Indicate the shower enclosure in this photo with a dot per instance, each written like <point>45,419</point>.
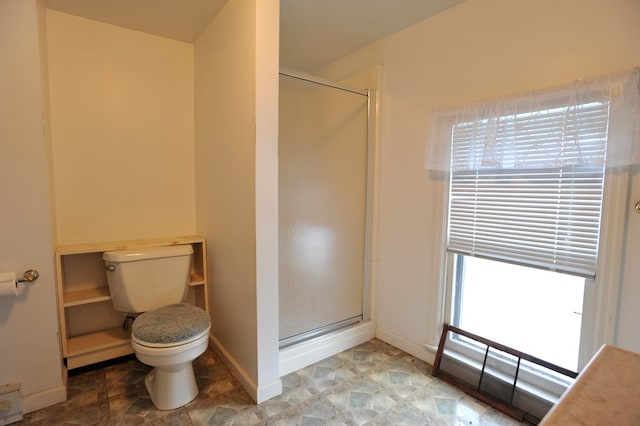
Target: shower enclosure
<point>324,156</point>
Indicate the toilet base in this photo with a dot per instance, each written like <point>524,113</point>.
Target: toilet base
<point>172,387</point>
<point>172,383</point>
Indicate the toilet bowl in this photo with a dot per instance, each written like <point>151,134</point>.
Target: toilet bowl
<point>169,339</point>
<point>168,334</point>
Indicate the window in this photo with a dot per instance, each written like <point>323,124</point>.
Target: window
<point>533,310</point>
<point>527,190</point>
<point>524,204</point>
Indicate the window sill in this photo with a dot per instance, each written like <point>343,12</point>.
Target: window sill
<point>530,396</point>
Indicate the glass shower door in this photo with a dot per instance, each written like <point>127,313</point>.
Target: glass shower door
<point>322,203</point>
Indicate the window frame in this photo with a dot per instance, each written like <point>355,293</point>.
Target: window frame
<point>600,294</point>
<point>600,300</point>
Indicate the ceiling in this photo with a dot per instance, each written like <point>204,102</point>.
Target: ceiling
<point>317,32</point>
<point>312,32</point>
<point>181,20</point>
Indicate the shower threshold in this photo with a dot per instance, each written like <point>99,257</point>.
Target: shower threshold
<point>320,331</point>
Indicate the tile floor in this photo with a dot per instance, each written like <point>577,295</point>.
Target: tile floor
<point>371,384</point>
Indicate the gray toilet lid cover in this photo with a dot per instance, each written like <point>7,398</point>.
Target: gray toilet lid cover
<point>175,323</point>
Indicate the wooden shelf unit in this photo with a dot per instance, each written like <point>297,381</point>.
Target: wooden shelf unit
<point>90,328</point>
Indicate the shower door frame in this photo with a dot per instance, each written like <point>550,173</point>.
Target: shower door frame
<point>370,94</point>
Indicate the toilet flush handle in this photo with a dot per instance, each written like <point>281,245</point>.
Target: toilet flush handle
<point>110,268</point>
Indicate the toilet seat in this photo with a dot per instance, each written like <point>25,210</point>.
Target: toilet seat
<point>170,326</point>
<point>169,339</point>
<point>184,349</point>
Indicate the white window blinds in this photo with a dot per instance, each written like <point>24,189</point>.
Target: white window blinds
<point>526,187</point>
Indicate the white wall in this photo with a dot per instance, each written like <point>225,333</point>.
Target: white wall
<point>30,351</point>
<point>267,39</point>
<point>236,191</point>
<point>122,132</point>
<point>476,50</point>
<point>629,298</point>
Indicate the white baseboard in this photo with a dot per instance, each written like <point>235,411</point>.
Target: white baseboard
<point>418,350</point>
<point>38,400</point>
<point>257,393</point>
<point>268,391</point>
<point>306,353</point>
<point>249,385</point>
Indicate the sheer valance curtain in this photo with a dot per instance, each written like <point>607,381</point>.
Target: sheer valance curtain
<point>527,172</point>
<point>493,148</point>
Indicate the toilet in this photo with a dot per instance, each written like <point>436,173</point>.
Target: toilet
<point>168,334</point>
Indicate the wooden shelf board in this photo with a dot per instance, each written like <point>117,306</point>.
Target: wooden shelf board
<point>99,340</point>
<point>114,342</point>
<point>85,296</point>
<point>123,245</point>
<point>81,360</point>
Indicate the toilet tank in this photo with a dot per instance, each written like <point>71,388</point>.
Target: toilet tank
<point>144,279</point>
